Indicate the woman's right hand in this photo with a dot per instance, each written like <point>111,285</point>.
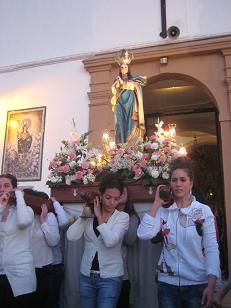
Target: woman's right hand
<point>157,202</point>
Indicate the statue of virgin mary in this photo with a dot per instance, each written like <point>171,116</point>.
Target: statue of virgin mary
<point>127,103</point>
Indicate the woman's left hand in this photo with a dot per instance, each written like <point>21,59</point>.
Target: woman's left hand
<point>98,210</point>
<point>97,207</point>
<point>4,197</point>
<point>207,297</point>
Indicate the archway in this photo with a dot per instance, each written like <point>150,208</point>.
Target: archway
<point>182,100</point>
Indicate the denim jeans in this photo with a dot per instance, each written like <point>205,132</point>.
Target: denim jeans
<point>171,296</point>
<point>96,292</point>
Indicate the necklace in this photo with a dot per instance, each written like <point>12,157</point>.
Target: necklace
<point>187,204</point>
<point>106,217</point>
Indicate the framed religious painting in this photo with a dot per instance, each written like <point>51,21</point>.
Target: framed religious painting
<point>23,146</point>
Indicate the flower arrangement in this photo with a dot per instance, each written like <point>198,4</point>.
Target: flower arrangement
<point>77,162</point>
<point>158,151</point>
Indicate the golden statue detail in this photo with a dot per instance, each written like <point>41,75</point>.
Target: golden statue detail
<point>127,103</point>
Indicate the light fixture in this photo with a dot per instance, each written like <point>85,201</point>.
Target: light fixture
<point>163,60</point>
<point>172,129</point>
<point>183,151</point>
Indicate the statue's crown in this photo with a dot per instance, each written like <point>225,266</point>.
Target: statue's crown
<point>124,57</point>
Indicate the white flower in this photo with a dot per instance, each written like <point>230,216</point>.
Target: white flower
<point>85,180</point>
<point>55,179</point>
<point>91,177</point>
<point>139,155</point>
<point>155,156</point>
<point>155,173</point>
<point>72,164</point>
<point>69,179</point>
<point>154,145</point>
<point>165,175</point>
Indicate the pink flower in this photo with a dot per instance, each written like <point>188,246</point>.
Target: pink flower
<point>153,138</point>
<point>129,157</point>
<point>145,155</point>
<point>53,164</point>
<point>148,146</point>
<point>138,173</point>
<point>135,167</point>
<point>64,169</point>
<point>162,159</point>
<point>167,150</point>
<point>79,175</point>
<point>143,163</point>
<point>120,151</point>
<point>77,142</point>
<point>85,165</point>
<point>72,156</point>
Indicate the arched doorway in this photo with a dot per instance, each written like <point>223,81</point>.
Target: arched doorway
<point>182,100</point>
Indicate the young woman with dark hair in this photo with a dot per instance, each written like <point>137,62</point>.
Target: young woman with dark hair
<point>44,237</point>
<point>189,263</point>
<point>101,268</point>
<point>17,274</point>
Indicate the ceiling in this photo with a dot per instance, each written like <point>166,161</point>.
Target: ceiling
<point>174,95</point>
<point>184,103</point>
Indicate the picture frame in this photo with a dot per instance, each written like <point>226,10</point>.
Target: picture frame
<point>23,144</point>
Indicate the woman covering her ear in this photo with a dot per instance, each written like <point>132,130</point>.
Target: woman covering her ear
<point>189,263</point>
<point>101,268</point>
<point>17,273</point>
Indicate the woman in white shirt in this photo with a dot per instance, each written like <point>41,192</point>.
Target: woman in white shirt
<point>17,274</point>
<point>101,268</point>
<point>189,263</point>
<point>44,236</point>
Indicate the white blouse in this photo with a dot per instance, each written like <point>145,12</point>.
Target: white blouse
<point>44,237</point>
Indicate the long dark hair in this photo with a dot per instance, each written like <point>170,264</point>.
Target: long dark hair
<point>184,163</point>
<point>129,205</point>
<point>111,180</point>
<point>128,74</point>
<point>36,193</point>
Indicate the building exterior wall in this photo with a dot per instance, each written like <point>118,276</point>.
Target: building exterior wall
<point>36,30</point>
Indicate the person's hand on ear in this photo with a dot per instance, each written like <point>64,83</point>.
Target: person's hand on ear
<point>44,213</point>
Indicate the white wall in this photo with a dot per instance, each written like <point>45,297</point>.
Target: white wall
<point>62,88</point>
<point>40,29</point>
